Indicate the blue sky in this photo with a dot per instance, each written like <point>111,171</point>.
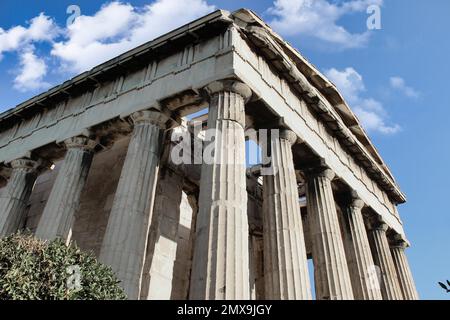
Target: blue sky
<point>395,78</point>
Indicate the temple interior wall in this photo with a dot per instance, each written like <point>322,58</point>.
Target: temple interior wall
<point>96,199</point>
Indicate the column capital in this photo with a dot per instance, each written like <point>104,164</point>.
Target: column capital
<point>355,201</point>
<point>399,242</point>
<point>320,171</point>
<point>231,86</point>
<point>288,135</point>
<point>80,142</point>
<point>350,199</point>
<point>25,165</point>
<point>400,245</point>
<point>153,116</point>
<point>317,168</point>
<point>380,226</point>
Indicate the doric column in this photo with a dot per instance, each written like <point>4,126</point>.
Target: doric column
<point>285,261</point>
<point>64,200</point>
<point>404,274</point>
<point>221,258</point>
<point>362,270</point>
<point>15,195</point>
<point>390,288</point>
<point>125,241</point>
<point>331,273</point>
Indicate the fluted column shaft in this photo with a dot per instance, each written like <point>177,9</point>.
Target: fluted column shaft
<point>125,242</point>
<point>64,200</point>
<point>331,273</point>
<point>404,274</point>
<point>15,195</point>
<point>390,288</point>
<point>285,261</point>
<point>359,256</point>
<point>221,258</point>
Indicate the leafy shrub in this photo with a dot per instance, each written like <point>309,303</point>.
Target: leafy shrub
<point>35,269</point>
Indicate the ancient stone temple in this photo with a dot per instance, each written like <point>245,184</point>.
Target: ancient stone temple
<point>92,161</point>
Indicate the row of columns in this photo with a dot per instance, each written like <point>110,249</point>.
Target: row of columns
<point>344,266</point>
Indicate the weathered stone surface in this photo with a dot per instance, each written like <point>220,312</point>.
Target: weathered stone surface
<point>97,197</point>
<point>163,238</point>
<point>185,246</point>
<point>14,197</point>
<point>285,262</point>
<point>390,287</point>
<point>404,274</point>
<point>256,242</point>
<point>125,240</point>
<point>257,279</point>
<point>64,201</point>
<point>365,282</point>
<point>332,278</point>
<point>221,258</point>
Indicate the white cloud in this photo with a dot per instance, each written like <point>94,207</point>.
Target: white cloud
<point>319,19</point>
<point>32,72</point>
<point>349,82</point>
<point>399,84</point>
<point>41,28</point>
<point>91,40</point>
<point>370,112</point>
<point>118,27</point>
<point>21,40</point>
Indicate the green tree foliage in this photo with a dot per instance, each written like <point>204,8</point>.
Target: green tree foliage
<point>35,269</point>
